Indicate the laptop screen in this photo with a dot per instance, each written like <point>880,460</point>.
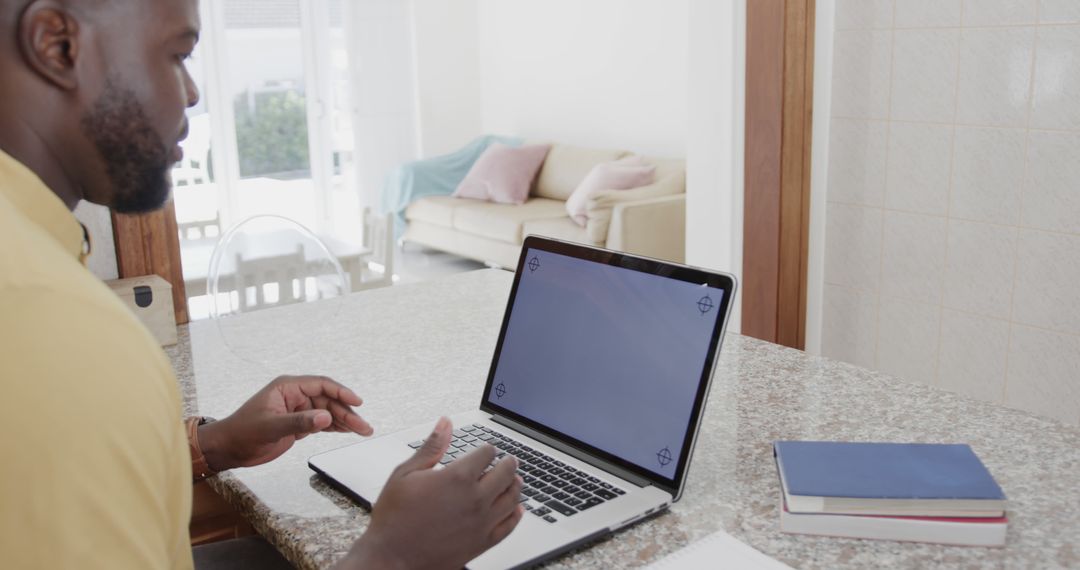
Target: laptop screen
<point>614,356</point>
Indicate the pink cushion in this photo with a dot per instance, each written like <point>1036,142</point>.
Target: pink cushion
<point>622,174</point>
<point>503,174</point>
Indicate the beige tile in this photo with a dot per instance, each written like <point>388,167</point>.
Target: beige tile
<point>864,14</point>
<point>860,83</point>
<point>1042,374</point>
<point>857,161</point>
<point>853,246</point>
<point>1047,274</point>
<point>849,325</point>
<point>913,256</point>
<point>998,12</point>
<point>908,339</point>
<point>988,174</point>
<point>917,176</point>
<point>924,75</point>
<point>973,355</point>
<point>1059,11</point>
<point>979,269</point>
<point>995,76</point>
<point>1052,190</point>
<point>1057,79</point>
<point>927,13</point>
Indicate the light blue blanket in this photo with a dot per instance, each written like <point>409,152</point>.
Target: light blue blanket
<point>436,176</point>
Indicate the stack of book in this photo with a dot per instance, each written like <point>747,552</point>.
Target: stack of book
<point>916,492</point>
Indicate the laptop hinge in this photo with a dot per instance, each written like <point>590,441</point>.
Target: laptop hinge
<point>576,453</point>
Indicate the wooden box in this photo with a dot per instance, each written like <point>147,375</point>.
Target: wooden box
<point>150,298</point>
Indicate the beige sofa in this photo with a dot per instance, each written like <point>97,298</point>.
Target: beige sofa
<point>650,220</point>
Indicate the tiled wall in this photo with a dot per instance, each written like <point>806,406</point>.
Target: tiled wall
<point>952,251</point>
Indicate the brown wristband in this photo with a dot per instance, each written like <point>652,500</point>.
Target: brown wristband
<point>199,468</point>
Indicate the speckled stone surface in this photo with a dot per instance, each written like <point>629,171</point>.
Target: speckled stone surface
<point>419,351</point>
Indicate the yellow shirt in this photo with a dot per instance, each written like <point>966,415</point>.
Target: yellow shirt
<point>96,471</point>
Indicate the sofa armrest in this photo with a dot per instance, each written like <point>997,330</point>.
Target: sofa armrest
<point>600,205</point>
<point>654,228</point>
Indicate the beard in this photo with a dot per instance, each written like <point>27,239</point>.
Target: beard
<point>136,159</point>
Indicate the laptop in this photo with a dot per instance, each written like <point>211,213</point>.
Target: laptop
<point>598,386</point>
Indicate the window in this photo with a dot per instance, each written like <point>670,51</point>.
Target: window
<point>273,132</point>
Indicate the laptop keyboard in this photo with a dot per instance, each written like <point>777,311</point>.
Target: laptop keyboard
<point>553,490</point>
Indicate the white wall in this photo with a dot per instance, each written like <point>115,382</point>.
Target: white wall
<point>448,74</point>
<point>383,73</point>
<point>602,73</point>
<point>819,162</point>
<point>714,169</point>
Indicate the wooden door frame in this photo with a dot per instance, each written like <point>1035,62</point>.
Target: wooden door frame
<point>779,112</point>
<point>150,244</point>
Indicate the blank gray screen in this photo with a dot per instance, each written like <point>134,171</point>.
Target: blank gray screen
<point>606,355</point>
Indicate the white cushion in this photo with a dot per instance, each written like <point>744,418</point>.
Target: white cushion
<point>438,210</point>
<point>504,222</point>
<point>627,172</point>
<point>598,208</point>
<point>561,228</point>
<point>566,166</point>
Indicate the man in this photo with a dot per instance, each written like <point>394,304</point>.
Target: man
<point>97,466</point>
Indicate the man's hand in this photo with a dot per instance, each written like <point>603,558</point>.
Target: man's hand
<point>267,425</point>
<point>440,519</point>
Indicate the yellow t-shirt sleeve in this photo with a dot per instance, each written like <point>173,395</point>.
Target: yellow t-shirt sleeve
<point>96,470</point>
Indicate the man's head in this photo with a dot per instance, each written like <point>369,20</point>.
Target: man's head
<point>99,88</point>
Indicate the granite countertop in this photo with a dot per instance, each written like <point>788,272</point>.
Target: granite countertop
<point>416,352</point>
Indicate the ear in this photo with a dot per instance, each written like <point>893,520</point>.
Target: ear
<point>48,37</point>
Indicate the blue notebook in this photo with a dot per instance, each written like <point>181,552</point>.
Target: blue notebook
<point>903,479</point>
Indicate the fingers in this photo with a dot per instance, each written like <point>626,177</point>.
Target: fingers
<point>506,526</point>
<point>315,386</point>
<point>506,502</point>
<point>474,462</point>
<point>500,487</point>
<point>495,482</point>
<point>348,420</point>
<point>298,424</point>
<point>320,392</point>
<point>429,454</point>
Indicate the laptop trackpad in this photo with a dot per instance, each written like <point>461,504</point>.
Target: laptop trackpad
<point>363,468</point>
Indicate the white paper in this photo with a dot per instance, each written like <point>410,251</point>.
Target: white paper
<point>718,550</point>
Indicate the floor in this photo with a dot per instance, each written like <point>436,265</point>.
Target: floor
<point>412,264</point>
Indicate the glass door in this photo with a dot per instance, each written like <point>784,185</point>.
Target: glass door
<point>266,88</point>
<point>273,131</point>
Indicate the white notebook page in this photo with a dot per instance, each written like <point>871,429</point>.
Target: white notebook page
<point>718,550</point>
